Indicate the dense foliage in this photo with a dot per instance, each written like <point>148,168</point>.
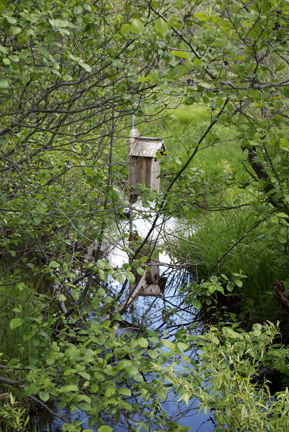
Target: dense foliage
<point>72,73</point>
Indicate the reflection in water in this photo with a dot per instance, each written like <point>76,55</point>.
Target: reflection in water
<point>159,314</point>
<point>168,313</point>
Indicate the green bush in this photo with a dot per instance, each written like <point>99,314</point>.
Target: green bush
<point>13,417</point>
<point>222,375</point>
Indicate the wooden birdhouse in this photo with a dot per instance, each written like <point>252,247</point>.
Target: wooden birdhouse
<point>144,167</point>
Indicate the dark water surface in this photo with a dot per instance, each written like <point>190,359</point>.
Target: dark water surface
<point>151,311</point>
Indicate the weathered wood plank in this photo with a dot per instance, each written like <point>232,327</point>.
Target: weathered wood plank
<point>148,171</point>
<point>144,147</point>
<point>156,169</point>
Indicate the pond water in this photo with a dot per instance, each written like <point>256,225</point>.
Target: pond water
<point>149,310</point>
<point>167,313</point>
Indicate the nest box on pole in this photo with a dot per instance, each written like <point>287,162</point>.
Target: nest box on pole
<point>144,167</point>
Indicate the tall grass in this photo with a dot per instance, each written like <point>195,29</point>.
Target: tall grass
<point>213,236</point>
<point>182,128</point>
<point>14,416</point>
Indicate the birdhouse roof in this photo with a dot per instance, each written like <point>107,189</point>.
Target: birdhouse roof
<point>146,146</point>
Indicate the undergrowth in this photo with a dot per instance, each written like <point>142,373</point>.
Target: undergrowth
<point>208,241</point>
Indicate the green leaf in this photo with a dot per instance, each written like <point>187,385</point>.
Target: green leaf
<point>161,26</point>
<point>142,342</point>
<point>58,23</point>
<point>105,429</point>
<point>239,283</point>
<point>196,303</point>
<point>182,346</point>
<point>85,407</point>
<point>120,278</point>
<point>173,22</point>
<point>14,58</point>
<point>75,295</point>
<point>16,322</point>
<point>212,289</point>
<point>282,239</point>
<point>109,391</point>
<point>201,16</point>
<point>125,405</point>
<point>125,29</point>
<point>53,264</point>
<point>140,271</point>
<point>257,326</point>
<point>284,142</point>
<point>167,344</point>
<point>132,370</point>
<point>44,396</point>
<point>3,50</point>
<point>162,394</point>
<point>78,10</point>
<point>85,66</point>
<point>27,336</point>
<point>124,364</point>
<point>279,68</point>
<point>61,297</point>
<point>49,37</point>
<point>219,101</point>
<point>153,76</point>
<point>95,302</point>
<point>44,52</point>
<point>124,391</point>
<point>3,83</point>
<point>37,220</point>
<point>15,31</point>
<point>69,388</point>
<point>69,372</point>
<point>136,26</point>
<point>197,62</point>
<point>179,160</point>
<point>99,376</point>
<point>11,20</point>
<point>153,353</point>
<point>181,54</point>
<point>130,277</point>
<point>230,287</point>
<point>94,388</point>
